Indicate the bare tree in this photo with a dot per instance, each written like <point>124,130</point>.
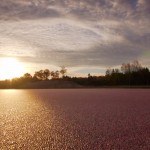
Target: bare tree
<point>135,66</point>
<point>131,67</point>
<point>126,68</point>
<point>63,71</point>
<point>46,73</point>
<point>55,74</point>
<point>42,74</point>
<point>108,72</point>
<point>39,74</point>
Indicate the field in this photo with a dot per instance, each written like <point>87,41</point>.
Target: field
<point>75,119</point>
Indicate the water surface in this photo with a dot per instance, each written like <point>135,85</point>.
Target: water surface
<point>78,119</point>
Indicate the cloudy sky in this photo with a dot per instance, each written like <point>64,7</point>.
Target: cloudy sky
<point>83,35</point>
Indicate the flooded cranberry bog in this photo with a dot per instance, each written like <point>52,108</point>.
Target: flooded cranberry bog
<point>77,119</point>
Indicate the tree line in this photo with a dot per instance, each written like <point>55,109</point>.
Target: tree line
<point>40,75</point>
<point>129,74</point>
<point>46,74</point>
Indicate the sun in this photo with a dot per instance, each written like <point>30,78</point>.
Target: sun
<point>10,68</point>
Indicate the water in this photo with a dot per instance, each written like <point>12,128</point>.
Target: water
<point>77,119</point>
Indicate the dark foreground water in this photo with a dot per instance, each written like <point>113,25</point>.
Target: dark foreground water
<point>75,119</point>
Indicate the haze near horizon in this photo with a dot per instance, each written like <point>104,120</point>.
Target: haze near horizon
<point>84,36</point>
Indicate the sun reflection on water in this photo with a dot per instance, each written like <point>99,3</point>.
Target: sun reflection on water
<point>22,114</point>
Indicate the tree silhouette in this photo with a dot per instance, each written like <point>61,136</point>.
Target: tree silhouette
<point>108,72</point>
<point>63,71</point>
<point>39,75</point>
<point>46,73</point>
<point>55,74</point>
<point>27,76</point>
<point>42,74</point>
<point>129,74</point>
<point>131,67</point>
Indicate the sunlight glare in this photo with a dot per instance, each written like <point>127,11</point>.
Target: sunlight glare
<point>10,68</point>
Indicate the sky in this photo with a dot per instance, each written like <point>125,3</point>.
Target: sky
<point>85,36</point>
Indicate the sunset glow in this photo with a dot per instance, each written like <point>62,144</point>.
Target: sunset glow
<point>10,68</point>
<point>82,35</point>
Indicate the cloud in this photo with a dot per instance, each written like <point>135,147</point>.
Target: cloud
<point>18,10</point>
<point>75,33</point>
<point>33,9</point>
<point>89,9</point>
